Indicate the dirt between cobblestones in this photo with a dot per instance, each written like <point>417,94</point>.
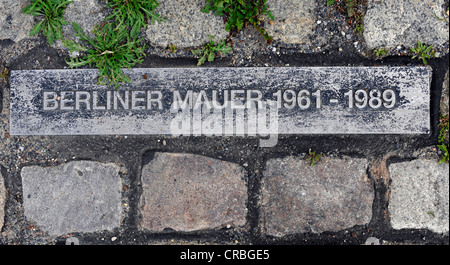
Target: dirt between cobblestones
<point>131,152</point>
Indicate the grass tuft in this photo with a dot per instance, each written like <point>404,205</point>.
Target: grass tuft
<point>111,50</point>
<point>210,50</point>
<point>443,137</point>
<point>313,158</point>
<point>239,13</point>
<point>52,11</point>
<point>134,13</point>
<point>422,52</point>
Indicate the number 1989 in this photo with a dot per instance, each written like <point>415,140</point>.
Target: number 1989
<point>374,98</point>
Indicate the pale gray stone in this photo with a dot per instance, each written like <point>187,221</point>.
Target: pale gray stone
<point>187,192</point>
<point>332,195</point>
<point>2,200</point>
<point>87,14</point>
<point>419,195</point>
<point>409,115</point>
<point>294,20</point>
<point>445,96</point>
<point>79,196</point>
<point>15,25</point>
<point>186,25</point>
<point>390,23</point>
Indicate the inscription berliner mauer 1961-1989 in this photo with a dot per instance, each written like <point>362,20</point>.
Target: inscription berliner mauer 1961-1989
<point>223,101</point>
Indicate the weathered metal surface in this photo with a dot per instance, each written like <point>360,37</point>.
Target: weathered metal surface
<point>304,100</point>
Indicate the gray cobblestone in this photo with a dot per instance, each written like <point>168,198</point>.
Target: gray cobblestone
<point>445,96</point>
<point>86,13</point>
<point>332,195</point>
<point>14,25</point>
<point>294,20</point>
<point>390,23</point>
<point>420,195</point>
<point>185,27</point>
<point>176,195</point>
<point>2,200</point>
<point>79,196</point>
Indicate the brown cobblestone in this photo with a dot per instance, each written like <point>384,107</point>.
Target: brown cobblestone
<point>189,192</point>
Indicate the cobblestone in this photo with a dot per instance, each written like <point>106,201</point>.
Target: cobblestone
<point>390,23</point>
<point>420,195</point>
<point>185,27</point>
<point>332,195</point>
<point>188,192</point>
<point>86,13</point>
<point>2,199</point>
<point>445,96</point>
<point>294,20</point>
<point>14,25</point>
<point>79,196</point>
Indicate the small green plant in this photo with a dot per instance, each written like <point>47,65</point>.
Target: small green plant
<point>444,149</point>
<point>173,48</point>
<point>134,13</point>
<point>381,52</point>
<point>313,158</point>
<point>350,4</point>
<point>422,52</point>
<point>239,12</point>
<point>4,74</point>
<point>443,137</point>
<point>353,10</point>
<point>359,28</point>
<point>111,50</point>
<point>52,11</point>
<point>210,50</point>
<point>359,24</point>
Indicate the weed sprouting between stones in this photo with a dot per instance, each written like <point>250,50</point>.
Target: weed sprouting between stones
<point>52,11</point>
<point>4,74</point>
<point>353,10</point>
<point>239,13</point>
<point>210,50</point>
<point>381,52</point>
<point>111,50</point>
<point>443,137</point>
<point>116,44</point>
<point>134,13</point>
<point>422,52</point>
<point>312,157</point>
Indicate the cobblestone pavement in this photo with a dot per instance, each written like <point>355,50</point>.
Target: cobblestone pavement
<point>387,189</point>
